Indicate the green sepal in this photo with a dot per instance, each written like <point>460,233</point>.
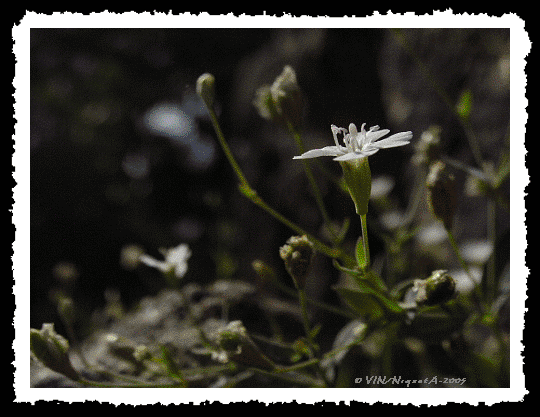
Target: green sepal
<point>357,176</point>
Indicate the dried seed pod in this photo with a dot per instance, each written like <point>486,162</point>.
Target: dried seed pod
<point>297,255</point>
<point>442,193</point>
<point>437,289</point>
<point>240,348</point>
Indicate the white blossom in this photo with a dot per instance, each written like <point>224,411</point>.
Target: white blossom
<point>358,145</point>
<point>175,260</point>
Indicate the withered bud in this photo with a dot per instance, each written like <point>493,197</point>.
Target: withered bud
<point>442,193</point>
<point>437,289</point>
<point>428,148</point>
<point>297,255</point>
<point>282,101</point>
<point>240,348</point>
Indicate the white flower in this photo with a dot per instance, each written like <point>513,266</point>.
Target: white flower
<point>358,145</point>
<point>175,260</point>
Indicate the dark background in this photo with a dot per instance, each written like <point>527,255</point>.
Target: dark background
<point>101,179</point>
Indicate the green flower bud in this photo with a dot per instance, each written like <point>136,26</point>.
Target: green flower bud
<point>265,272</point>
<point>51,350</point>
<point>205,88</point>
<point>297,255</point>
<point>437,289</point>
<point>66,309</point>
<point>281,102</point>
<point>240,348</point>
<point>357,176</point>
<point>442,193</point>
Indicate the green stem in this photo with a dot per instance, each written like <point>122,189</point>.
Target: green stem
<point>492,236</point>
<point>365,243</point>
<point>309,174</point>
<point>246,189</point>
<point>94,384</point>
<point>475,291</point>
<point>465,124</point>
<point>226,149</point>
<point>331,309</point>
<point>335,253</point>
<point>305,318</point>
<point>299,379</point>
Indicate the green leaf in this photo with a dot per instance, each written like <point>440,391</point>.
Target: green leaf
<point>367,281</point>
<point>360,254</point>
<point>464,105</point>
<point>363,303</point>
<point>170,364</point>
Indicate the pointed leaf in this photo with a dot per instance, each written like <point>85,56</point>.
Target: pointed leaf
<point>363,303</point>
<point>360,254</point>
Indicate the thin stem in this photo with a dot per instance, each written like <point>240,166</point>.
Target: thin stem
<point>365,243</point>
<point>299,379</point>
<point>476,295</point>
<point>246,189</point>
<point>455,247</point>
<point>298,366</point>
<point>465,124</point>
<point>226,149</point>
<point>335,253</point>
<point>305,318</point>
<point>417,193</point>
<point>309,174</point>
<point>319,304</point>
<point>138,384</point>
<point>492,239</point>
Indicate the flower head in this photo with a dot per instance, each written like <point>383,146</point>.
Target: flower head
<point>175,260</point>
<point>358,145</point>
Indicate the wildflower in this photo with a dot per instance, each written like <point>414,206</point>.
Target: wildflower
<point>353,157</point>
<point>358,145</point>
<point>175,260</point>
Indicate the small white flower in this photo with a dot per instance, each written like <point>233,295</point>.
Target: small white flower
<point>358,145</point>
<point>175,260</point>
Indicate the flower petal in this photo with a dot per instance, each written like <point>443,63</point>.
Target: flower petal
<point>356,155</point>
<point>399,139</point>
<point>326,151</point>
<point>373,135</point>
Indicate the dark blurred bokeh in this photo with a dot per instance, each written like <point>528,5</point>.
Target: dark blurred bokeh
<point>122,152</point>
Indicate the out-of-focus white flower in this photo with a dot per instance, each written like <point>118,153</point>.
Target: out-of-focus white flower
<point>175,260</point>
<point>358,145</point>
